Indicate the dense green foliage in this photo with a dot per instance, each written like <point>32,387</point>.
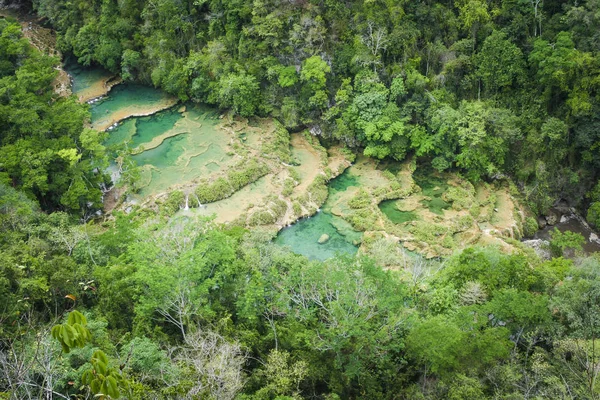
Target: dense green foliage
<point>145,306</point>
<point>180,307</point>
<point>44,149</point>
<point>242,174</point>
<point>486,87</point>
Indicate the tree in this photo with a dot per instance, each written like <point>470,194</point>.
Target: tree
<point>314,75</point>
<point>500,63</point>
<point>240,92</point>
<point>562,241</point>
<point>217,365</point>
<point>474,14</point>
<point>484,135</point>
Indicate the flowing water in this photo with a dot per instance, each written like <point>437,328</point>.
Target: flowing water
<point>303,236</point>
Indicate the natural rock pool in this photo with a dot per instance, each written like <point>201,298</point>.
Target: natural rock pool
<point>88,83</point>
<point>183,147</point>
<point>306,236</point>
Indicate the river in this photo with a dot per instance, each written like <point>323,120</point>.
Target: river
<point>181,146</point>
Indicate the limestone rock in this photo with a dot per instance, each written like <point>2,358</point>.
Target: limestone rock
<point>552,218</point>
<point>541,247</point>
<point>323,239</point>
<point>541,222</point>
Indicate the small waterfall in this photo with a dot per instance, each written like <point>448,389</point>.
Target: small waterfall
<point>187,207</point>
<point>198,200</point>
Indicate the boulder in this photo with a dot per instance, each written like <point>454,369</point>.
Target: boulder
<point>541,247</point>
<point>541,222</point>
<point>552,218</point>
<point>323,239</point>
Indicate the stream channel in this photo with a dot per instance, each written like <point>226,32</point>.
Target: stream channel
<point>176,143</point>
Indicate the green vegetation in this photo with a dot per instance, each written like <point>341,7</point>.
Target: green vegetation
<point>563,241</point>
<point>44,148</point>
<point>184,296</point>
<point>149,304</point>
<point>244,173</point>
<point>486,88</point>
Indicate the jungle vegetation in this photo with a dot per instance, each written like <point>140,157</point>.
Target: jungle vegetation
<point>145,306</point>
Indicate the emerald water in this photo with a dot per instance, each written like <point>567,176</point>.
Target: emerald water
<point>433,187</point>
<point>303,236</point>
<point>172,146</point>
<point>177,146</point>
<point>126,100</point>
<point>150,127</point>
<point>86,79</point>
<point>390,209</point>
<point>181,147</point>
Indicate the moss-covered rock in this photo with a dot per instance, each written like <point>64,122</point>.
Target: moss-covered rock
<point>174,201</point>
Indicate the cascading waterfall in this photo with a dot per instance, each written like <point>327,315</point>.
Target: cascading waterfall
<point>198,200</point>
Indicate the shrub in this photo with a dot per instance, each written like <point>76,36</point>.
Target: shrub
<point>279,145</point>
<point>349,154</point>
<point>389,175</point>
<point>459,197</point>
<point>245,173</point>
<point>360,200</point>
<point>173,203</point>
<point>262,218</point>
<point>218,190</point>
<point>363,219</point>
<point>530,226</point>
<point>277,207</point>
<point>297,208</point>
<point>294,174</point>
<point>475,210</point>
<point>318,190</point>
<point>561,241</point>
<point>593,214</point>
<point>288,187</point>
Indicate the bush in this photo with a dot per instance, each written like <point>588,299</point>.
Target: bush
<point>360,200</point>
<point>463,223</point>
<point>459,197</point>
<point>561,241</point>
<point>363,219</point>
<point>349,154</point>
<point>428,232</point>
<point>262,218</point>
<point>277,206</point>
<point>593,215</point>
<point>279,145</point>
<point>288,187</point>
<point>389,175</point>
<point>218,190</point>
<point>243,174</point>
<point>475,210</point>
<point>294,174</point>
<point>173,203</point>
<point>297,208</point>
<point>530,227</point>
<point>318,190</point>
